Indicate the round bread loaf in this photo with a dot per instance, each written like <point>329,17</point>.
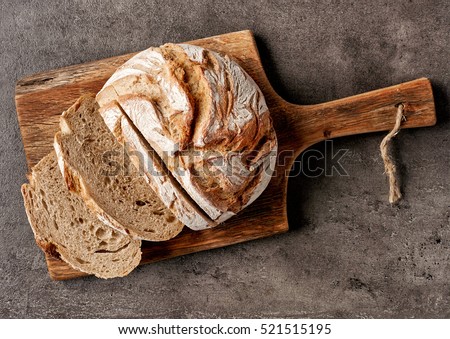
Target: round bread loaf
<point>204,117</point>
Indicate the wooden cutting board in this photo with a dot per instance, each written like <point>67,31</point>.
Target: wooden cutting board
<point>41,98</point>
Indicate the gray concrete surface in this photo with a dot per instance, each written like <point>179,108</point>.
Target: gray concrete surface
<point>348,254</point>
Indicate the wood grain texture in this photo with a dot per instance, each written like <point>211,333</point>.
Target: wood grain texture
<point>41,98</point>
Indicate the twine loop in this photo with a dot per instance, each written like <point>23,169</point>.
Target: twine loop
<point>390,168</point>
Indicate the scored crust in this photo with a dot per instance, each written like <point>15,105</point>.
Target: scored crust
<point>148,75</point>
<point>227,154</point>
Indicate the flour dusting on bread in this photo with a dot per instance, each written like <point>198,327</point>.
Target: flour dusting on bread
<point>205,118</point>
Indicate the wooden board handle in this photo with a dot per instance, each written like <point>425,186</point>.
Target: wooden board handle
<point>363,113</point>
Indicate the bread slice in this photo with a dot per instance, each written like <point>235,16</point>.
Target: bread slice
<point>95,166</point>
<point>65,228</point>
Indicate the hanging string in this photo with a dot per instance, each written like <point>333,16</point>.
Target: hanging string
<point>389,165</point>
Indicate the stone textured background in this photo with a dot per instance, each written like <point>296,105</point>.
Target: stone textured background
<point>348,254</point>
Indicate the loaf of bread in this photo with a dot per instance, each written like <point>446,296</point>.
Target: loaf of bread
<point>178,135</point>
<point>65,228</point>
<point>95,166</point>
<point>204,118</point>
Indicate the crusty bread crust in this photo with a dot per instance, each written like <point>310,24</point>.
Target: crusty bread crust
<point>223,156</point>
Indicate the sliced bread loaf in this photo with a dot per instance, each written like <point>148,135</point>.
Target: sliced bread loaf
<point>227,154</point>
<point>65,228</point>
<point>95,166</point>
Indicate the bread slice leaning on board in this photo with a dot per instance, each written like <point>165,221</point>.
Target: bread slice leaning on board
<point>64,227</point>
<point>203,116</point>
<point>96,167</point>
